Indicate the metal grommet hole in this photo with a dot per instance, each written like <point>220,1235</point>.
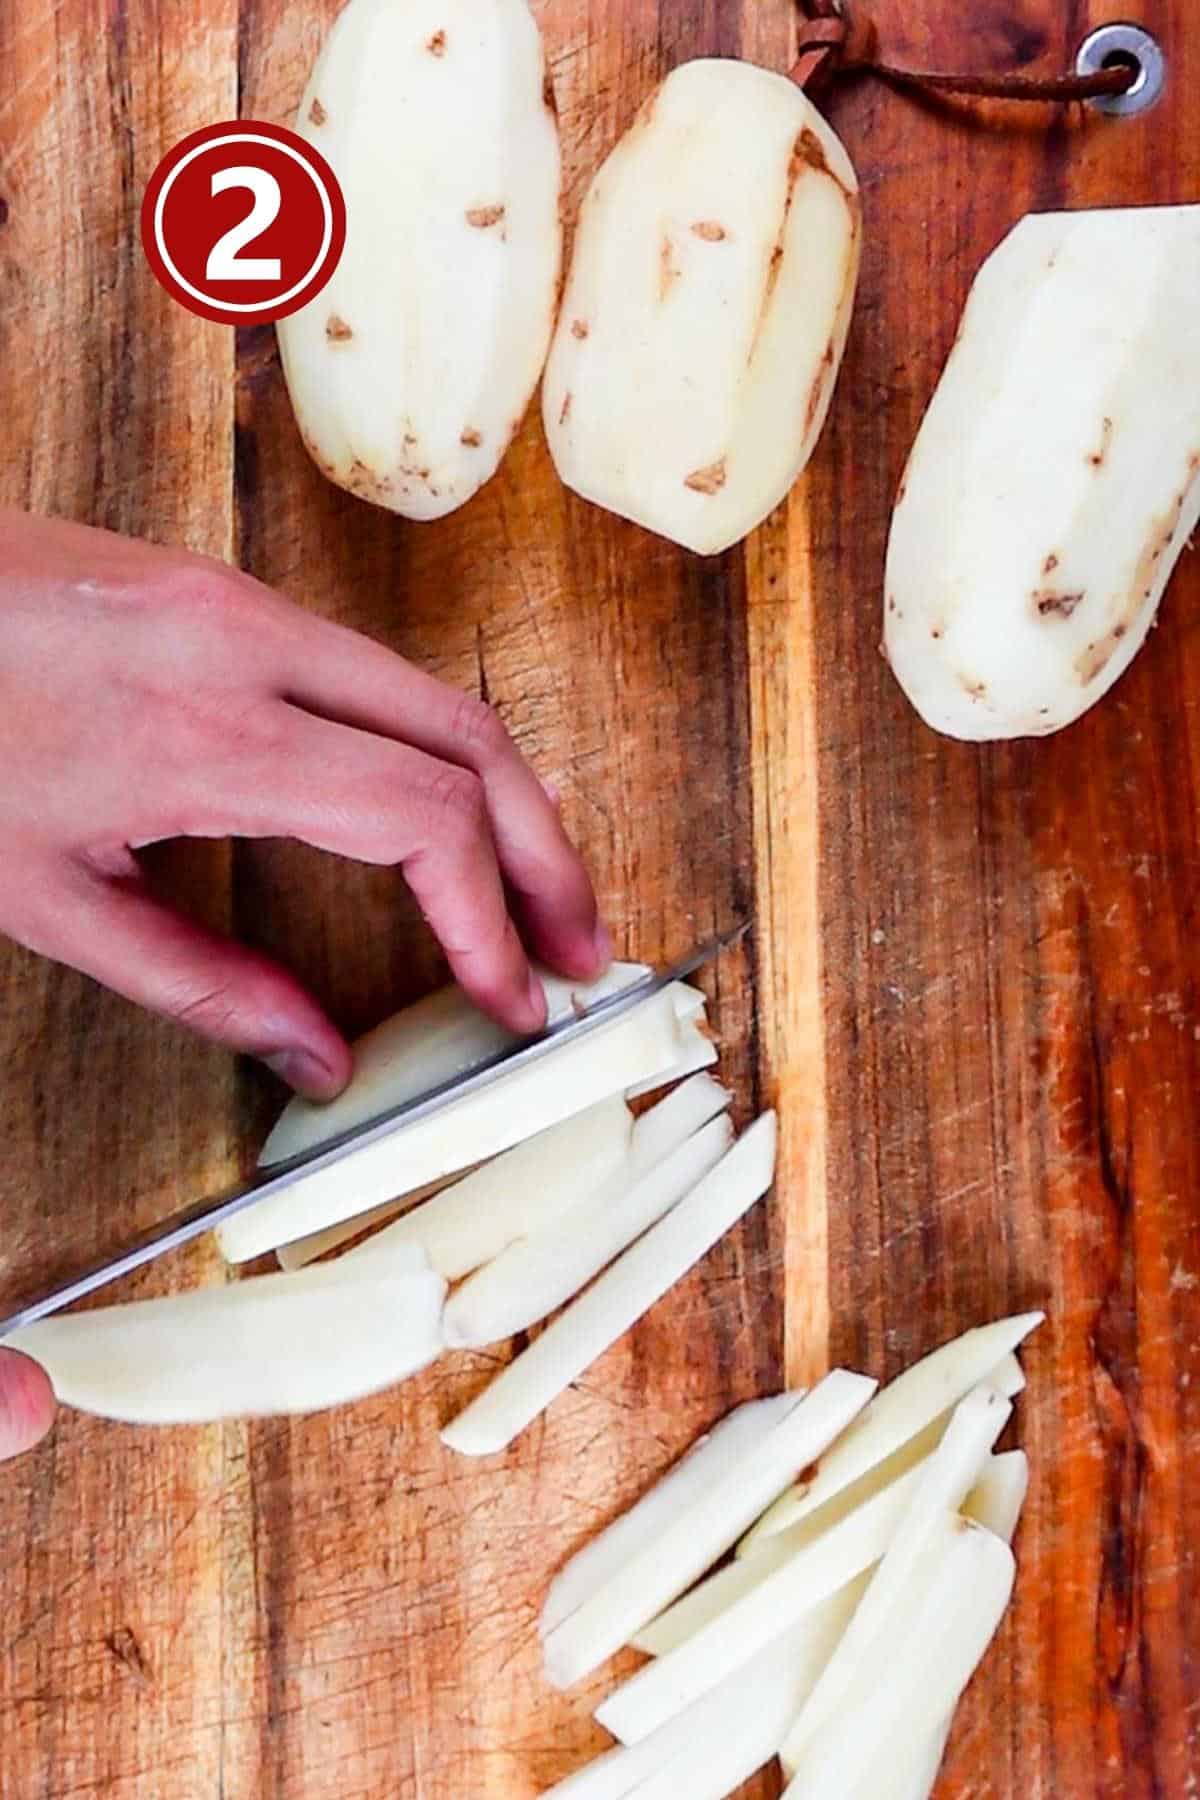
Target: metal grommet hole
<point>1124,46</point>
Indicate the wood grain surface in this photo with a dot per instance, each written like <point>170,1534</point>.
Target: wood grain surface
<point>972,986</point>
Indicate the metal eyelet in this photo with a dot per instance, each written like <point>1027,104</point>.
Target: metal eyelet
<point>1124,44</point>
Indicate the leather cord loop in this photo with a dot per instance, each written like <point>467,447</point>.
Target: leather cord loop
<point>834,40</point>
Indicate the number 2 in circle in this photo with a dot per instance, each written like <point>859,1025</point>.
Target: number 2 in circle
<point>224,262</point>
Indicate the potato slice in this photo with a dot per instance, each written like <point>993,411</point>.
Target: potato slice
<point>778,1589</point>
<point>536,1275</point>
<point>734,1440</point>
<point>1056,476</point>
<point>907,1679</point>
<point>619,1297</point>
<point>907,1406</point>
<point>707,306</point>
<point>466,1223</point>
<point>514,1106</point>
<point>996,1500</point>
<point>717,1744</point>
<point>289,1343</point>
<point>437,1039</point>
<point>704,1525</point>
<point>412,369</point>
<point>945,1481</point>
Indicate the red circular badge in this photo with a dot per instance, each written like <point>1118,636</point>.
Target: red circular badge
<point>244,222</point>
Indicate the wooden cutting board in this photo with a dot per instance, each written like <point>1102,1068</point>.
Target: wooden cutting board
<point>972,989</point>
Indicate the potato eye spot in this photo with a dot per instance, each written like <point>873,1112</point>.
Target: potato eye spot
<point>709,480</point>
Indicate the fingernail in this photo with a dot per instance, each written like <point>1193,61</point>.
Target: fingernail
<point>304,1072</point>
<point>602,944</point>
<point>535,996</point>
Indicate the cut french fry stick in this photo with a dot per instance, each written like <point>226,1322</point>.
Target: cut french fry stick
<point>1004,1378</point>
<point>906,1680</point>
<point>504,1112</point>
<point>944,1483</point>
<point>995,1503</point>
<point>439,1038</point>
<point>782,1592</point>
<point>1008,1377</point>
<point>466,1224</point>
<point>700,1052</point>
<point>538,1274</point>
<point>733,1442</point>
<point>273,1344</point>
<point>308,1249</point>
<point>690,1002</point>
<point>710,1750</point>
<point>996,1500</point>
<point>701,1530</point>
<point>713,1596</point>
<point>903,1408</point>
<point>619,1297</point>
<point>686,1110</point>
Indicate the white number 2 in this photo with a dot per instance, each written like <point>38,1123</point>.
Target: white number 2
<point>224,263</point>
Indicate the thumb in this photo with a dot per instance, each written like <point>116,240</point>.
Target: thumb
<point>26,1403</point>
<point>115,931</point>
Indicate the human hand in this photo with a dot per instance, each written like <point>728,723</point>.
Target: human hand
<point>26,1404</point>
<point>147,693</point>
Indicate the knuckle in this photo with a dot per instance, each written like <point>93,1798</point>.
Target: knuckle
<point>211,1010</point>
<point>479,731</point>
<point>457,799</point>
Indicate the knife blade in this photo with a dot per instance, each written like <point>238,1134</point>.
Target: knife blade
<point>206,1215</point>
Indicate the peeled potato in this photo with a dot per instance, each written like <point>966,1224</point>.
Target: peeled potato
<point>411,370</point>
<point>707,306</point>
<point>1056,477</point>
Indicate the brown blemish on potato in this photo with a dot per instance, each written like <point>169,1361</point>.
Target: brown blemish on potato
<point>809,151</point>
<point>437,44</point>
<point>316,112</point>
<point>484,217</point>
<point>548,97</point>
<point>806,153</point>
<point>565,410</point>
<point>668,269</point>
<point>709,480</point>
<point>364,482</point>
<point>1096,658</point>
<point>891,602</point>
<point>818,393</point>
<point>1158,541</point>
<point>1050,564</point>
<point>710,231</point>
<point>471,438</point>
<point>337,330</point>
<point>937,631</point>
<point>1097,458</point>
<point>1053,605</point>
<point>579,328</point>
<point>973,687</point>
